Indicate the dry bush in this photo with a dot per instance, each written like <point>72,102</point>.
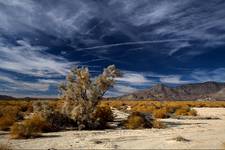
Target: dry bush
<point>44,120</point>
<point>157,124</point>
<point>13,111</point>
<point>163,109</point>
<point>143,104</point>
<point>192,112</point>
<point>9,115</point>
<point>81,95</point>
<point>6,122</point>
<point>54,120</point>
<point>35,125</point>
<point>30,128</point>
<point>185,111</point>
<point>104,112</point>
<point>138,120</point>
<point>25,129</point>
<point>144,108</point>
<point>160,113</point>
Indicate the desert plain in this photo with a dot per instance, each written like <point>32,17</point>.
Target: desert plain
<point>205,131</point>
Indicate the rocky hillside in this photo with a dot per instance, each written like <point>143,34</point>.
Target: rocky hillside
<point>197,91</point>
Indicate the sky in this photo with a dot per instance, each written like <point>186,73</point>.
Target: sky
<point>150,41</point>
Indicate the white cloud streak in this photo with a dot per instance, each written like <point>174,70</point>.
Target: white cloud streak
<point>134,78</point>
<point>132,43</point>
<point>32,60</point>
<point>173,79</point>
<point>17,85</point>
<point>209,75</point>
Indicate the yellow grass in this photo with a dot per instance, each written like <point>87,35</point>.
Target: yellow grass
<point>163,109</point>
<point>29,128</point>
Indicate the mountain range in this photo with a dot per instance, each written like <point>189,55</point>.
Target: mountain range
<point>196,91</point>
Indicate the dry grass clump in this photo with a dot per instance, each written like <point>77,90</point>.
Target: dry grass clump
<point>43,119</point>
<point>6,122</point>
<point>174,104</point>
<point>9,115</point>
<point>103,114</point>
<point>163,109</point>
<point>138,120</point>
<point>185,111</point>
<point>157,124</point>
<point>29,128</point>
<point>11,112</point>
<point>160,113</point>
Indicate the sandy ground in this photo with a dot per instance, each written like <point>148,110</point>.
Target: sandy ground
<point>203,134</point>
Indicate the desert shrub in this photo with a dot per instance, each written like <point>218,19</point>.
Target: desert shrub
<point>54,120</point>
<point>138,120</point>
<point>81,95</point>
<point>9,115</point>
<point>103,114</point>
<point>29,128</point>
<point>192,112</point>
<point>144,108</point>
<point>6,122</point>
<point>38,123</point>
<point>160,113</point>
<point>172,105</point>
<point>181,112</point>
<point>157,124</point>
<point>187,111</point>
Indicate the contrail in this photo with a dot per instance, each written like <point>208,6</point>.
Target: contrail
<point>131,43</point>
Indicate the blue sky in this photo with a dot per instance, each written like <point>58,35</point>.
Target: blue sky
<point>167,41</point>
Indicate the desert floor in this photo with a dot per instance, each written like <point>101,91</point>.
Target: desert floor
<point>201,133</point>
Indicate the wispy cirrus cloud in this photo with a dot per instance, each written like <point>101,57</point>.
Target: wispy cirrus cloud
<point>31,60</point>
<point>173,79</point>
<point>14,84</point>
<point>134,78</point>
<point>43,39</point>
<point>137,20</point>
<point>203,75</point>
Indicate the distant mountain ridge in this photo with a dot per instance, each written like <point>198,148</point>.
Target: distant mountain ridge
<point>196,91</point>
<point>6,97</point>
